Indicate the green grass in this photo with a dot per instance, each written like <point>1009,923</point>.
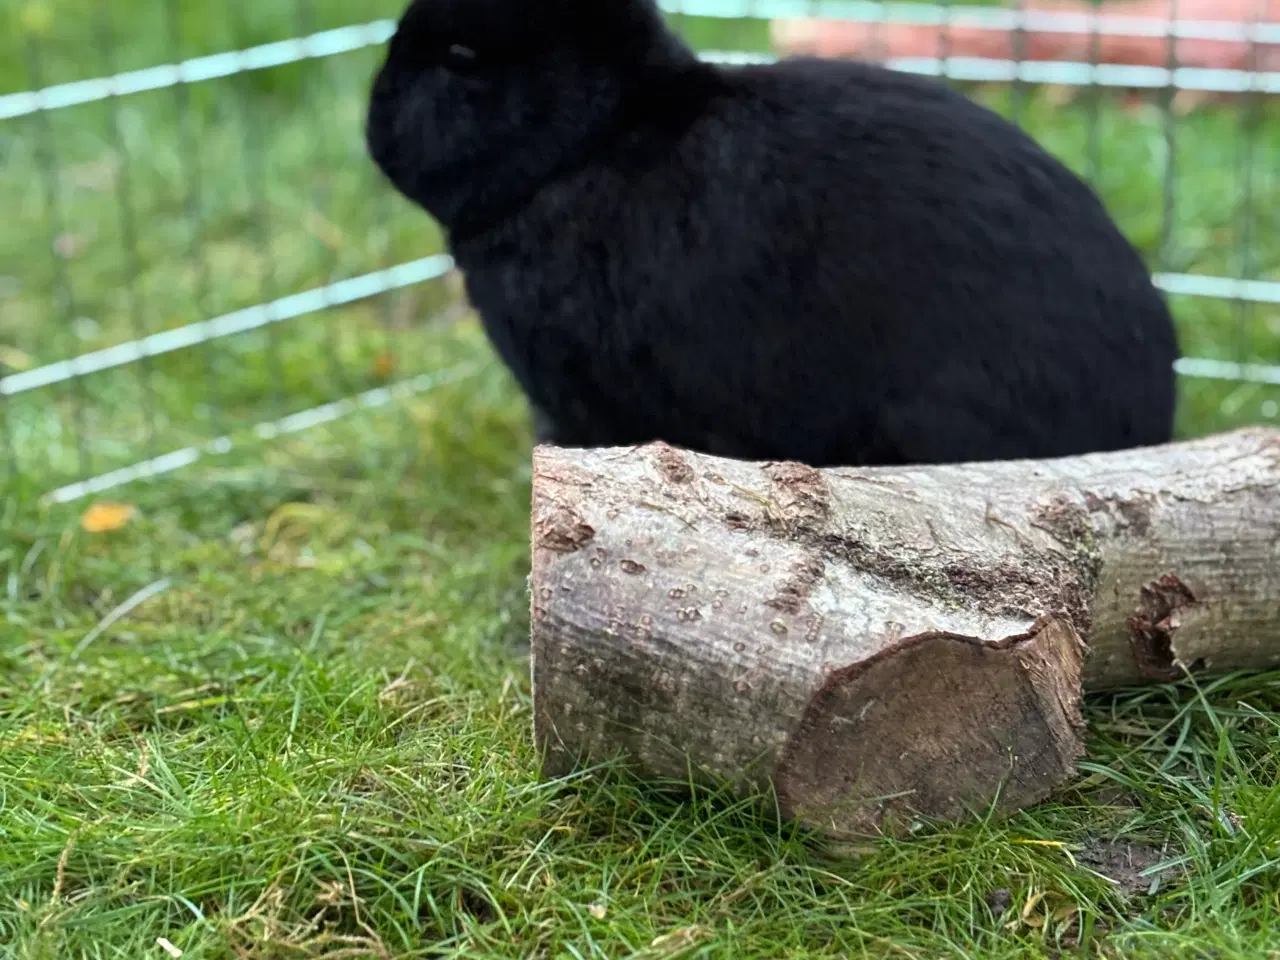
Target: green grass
<point>314,738</point>
<point>317,738</point>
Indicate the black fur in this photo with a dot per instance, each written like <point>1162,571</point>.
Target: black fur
<point>820,261</point>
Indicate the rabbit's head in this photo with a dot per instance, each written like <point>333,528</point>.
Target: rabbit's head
<point>481,101</point>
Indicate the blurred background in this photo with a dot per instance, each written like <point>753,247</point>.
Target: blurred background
<point>197,260</point>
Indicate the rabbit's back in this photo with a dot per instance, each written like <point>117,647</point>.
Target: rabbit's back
<point>827,262</point>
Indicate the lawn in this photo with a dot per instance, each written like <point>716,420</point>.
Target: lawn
<point>283,710</point>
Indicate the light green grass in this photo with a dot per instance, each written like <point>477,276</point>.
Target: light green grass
<point>314,739</point>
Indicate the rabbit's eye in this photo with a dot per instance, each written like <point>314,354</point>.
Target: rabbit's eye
<point>460,56</point>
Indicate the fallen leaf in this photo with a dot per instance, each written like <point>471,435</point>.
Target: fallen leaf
<point>1028,917</point>
<point>384,365</point>
<point>107,517</point>
<point>1030,905</point>
<point>598,910</point>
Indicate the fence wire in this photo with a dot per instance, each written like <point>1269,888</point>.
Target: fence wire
<point>201,253</point>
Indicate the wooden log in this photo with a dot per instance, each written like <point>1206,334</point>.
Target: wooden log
<point>881,643</point>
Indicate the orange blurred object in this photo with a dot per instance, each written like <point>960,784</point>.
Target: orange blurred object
<point>827,38</point>
<point>384,365</point>
<point>107,517</point>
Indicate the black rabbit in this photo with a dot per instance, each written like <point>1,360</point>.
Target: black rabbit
<point>815,260</point>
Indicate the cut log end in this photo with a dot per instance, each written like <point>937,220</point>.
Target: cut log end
<point>941,725</point>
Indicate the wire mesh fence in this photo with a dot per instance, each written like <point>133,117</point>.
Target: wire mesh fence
<point>197,257</point>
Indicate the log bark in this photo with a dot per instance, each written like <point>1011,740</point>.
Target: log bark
<point>880,644</point>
